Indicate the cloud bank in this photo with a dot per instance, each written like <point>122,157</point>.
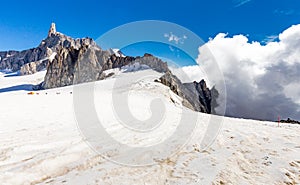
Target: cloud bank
<point>262,81</point>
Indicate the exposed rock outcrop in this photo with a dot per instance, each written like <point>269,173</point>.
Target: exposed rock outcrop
<point>196,95</point>
<point>290,121</point>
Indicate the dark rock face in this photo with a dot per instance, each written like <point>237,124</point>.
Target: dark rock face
<point>153,62</point>
<point>196,96</point>
<point>117,62</point>
<point>203,94</point>
<point>14,60</point>
<point>290,121</point>
<point>75,65</point>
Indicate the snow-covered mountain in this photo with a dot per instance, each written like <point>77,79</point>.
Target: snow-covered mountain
<point>41,143</point>
<point>71,61</point>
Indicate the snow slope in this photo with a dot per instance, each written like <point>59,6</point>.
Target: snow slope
<point>40,142</point>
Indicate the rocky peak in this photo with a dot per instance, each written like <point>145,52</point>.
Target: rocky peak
<point>52,30</point>
<point>36,59</point>
<point>148,55</point>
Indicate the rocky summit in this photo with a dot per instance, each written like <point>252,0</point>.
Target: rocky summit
<point>71,61</point>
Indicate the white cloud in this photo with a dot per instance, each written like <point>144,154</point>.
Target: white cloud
<point>174,38</point>
<point>262,81</point>
<point>270,38</point>
<point>238,3</point>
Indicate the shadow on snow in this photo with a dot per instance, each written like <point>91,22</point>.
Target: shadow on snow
<point>23,87</point>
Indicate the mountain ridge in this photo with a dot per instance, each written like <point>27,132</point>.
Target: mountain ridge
<point>71,61</point>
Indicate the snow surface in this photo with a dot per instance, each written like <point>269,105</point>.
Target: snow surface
<point>40,142</point>
<point>52,56</point>
<point>117,52</point>
<point>134,67</point>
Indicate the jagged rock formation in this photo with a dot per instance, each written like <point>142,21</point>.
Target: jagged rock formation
<point>73,65</point>
<point>36,59</point>
<point>196,96</point>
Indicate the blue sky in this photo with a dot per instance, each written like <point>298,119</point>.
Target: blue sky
<point>23,24</point>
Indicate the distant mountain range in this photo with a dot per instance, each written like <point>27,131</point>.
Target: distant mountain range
<point>71,61</point>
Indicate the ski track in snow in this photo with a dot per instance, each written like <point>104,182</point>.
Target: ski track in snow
<point>40,142</point>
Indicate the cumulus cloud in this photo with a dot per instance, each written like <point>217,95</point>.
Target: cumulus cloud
<point>174,38</point>
<point>262,81</point>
